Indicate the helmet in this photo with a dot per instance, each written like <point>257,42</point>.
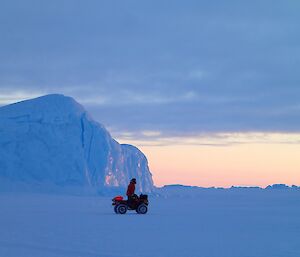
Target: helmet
<point>133,180</point>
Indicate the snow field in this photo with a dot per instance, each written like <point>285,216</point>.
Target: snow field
<point>215,223</point>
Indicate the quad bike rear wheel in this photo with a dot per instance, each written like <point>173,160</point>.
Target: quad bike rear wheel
<point>121,208</point>
<point>142,209</point>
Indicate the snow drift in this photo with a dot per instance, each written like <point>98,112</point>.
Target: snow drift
<point>52,139</point>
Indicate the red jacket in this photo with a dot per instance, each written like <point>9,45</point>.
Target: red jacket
<point>130,189</point>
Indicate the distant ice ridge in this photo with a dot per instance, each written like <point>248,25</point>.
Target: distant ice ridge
<point>186,191</point>
<point>52,139</point>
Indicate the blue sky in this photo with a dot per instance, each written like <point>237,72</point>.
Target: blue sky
<point>179,68</point>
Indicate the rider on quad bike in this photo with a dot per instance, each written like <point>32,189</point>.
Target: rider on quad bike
<point>134,202</point>
<point>130,190</point>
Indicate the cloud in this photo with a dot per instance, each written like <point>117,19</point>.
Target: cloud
<point>145,66</point>
<point>9,97</point>
<point>213,139</point>
<point>151,133</point>
<point>197,74</point>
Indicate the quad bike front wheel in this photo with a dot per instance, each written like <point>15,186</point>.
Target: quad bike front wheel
<point>142,209</point>
<point>121,208</point>
<point>116,209</point>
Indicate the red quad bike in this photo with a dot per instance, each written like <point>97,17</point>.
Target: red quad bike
<point>139,204</point>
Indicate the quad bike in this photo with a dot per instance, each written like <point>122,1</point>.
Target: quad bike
<point>137,203</point>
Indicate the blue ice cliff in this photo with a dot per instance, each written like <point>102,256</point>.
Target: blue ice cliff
<point>53,140</point>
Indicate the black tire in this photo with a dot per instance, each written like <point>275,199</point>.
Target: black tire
<point>121,208</point>
<point>116,209</point>
<point>142,209</point>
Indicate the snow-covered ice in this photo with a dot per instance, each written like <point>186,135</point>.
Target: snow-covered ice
<point>52,139</point>
<point>215,223</point>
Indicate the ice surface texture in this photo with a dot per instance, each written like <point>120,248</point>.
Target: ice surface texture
<point>216,223</point>
<point>53,140</point>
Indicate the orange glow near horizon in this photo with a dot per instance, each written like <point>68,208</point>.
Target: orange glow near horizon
<point>246,164</point>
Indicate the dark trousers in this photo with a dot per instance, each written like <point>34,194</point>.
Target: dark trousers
<point>130,201</point>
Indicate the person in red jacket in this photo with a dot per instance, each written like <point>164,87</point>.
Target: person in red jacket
<point>131,188</point>
<point>130,192</point>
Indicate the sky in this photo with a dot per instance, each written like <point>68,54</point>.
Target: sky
<point>209,90</point>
